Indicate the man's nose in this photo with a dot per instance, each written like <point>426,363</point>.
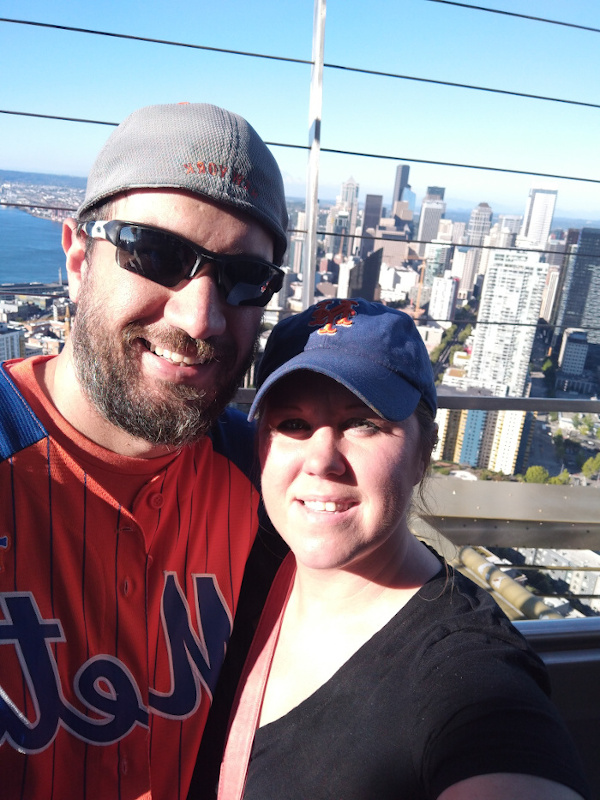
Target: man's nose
<point>197,307</point>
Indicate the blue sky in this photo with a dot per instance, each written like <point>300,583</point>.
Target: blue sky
<point>80,75</point>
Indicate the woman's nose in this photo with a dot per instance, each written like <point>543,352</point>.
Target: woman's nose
<point>323,455</point>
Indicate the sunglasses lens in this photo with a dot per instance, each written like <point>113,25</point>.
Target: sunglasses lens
<point>167,260</point>
<point>154,255</point>
<point>248,283</point>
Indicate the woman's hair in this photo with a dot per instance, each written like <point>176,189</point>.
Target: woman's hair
<point>429,436</point>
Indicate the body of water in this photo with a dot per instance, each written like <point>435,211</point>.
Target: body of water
<point>30,249</point>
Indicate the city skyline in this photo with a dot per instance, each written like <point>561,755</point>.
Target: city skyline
<point>406,120</point>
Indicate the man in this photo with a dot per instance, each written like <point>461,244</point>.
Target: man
<point>127,510</point>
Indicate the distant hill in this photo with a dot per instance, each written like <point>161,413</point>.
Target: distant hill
<point>41,179</point>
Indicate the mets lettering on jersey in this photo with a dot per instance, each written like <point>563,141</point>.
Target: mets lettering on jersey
<point>104,684</point>
<point>114,613</point>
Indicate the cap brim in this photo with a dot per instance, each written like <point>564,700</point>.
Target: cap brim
<point>384,391</point>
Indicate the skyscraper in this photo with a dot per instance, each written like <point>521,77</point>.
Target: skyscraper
<point>580,301</point>
<point>341,221</point>
<point>400,183</point>
<point>509,311</point>
<point>537,220</point>
<point>371,217</point>
<point>480,223</point>
<point>429,221</point>
<point>444,292</point>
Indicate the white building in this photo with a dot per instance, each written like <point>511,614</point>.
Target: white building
<point>444,291</point>
<point>537,219</point>
<point>509,310</point>
<point>432,212</point>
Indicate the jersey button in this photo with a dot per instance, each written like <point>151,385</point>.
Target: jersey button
<point>156,500</point>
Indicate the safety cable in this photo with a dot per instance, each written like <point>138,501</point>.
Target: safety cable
<point>326,65</point>
<point>337,151</point>
<point>515,14</point>
<point>342,235</point>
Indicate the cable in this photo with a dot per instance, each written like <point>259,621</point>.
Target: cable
<point>463,85</point>
<point>305,61</point>
<point>343,152</point>
<point>154,41</point>
<point>521,16</point>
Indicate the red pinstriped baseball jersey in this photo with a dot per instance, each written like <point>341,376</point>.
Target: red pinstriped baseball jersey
<point>118,583</point>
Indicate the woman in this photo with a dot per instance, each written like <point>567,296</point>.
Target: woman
<point>376,672</point>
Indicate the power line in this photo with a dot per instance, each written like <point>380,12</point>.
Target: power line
<point>359,70</point>
<point>521,16</point>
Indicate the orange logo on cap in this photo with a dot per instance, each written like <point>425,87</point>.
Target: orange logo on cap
<point>327,319</point>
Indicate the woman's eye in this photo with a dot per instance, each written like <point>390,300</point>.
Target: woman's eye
<point>291,426</point>
<point>366,425</point>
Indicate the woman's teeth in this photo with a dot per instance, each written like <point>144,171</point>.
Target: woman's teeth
<point>328,505</point>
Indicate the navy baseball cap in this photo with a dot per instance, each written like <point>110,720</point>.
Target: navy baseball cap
<point>374,351</point>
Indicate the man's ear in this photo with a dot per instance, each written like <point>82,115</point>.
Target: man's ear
<point>74,247</point>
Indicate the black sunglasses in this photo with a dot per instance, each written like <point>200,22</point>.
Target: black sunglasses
<point>167,259</point>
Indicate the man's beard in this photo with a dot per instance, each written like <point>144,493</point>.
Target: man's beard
<point>108,369</point>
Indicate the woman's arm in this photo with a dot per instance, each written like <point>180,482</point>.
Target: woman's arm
<point>504,786</point>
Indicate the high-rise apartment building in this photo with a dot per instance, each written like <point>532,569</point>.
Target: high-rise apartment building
<point>401,182</point>
<point>508,314</point>
<point>537,219</point>
<point>580,299</point>
<point>442,303</point>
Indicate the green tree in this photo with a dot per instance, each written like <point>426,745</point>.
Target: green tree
<point>537,474</point>
<point>577,421</point>
<point>553,416</point>
<point>561,480</point>
<point>591,467</point>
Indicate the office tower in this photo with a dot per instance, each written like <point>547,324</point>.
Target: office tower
<point>498,237</point>
<point>508,314</point>
<point>341,221</point>
<point>537,219</point>
<point>437,256</point>
<point>297,239</point>
<point>360,277</point>
<point>408,196</point>
<point>432,212</point>
<point>349,201</point>
<point>12,343</point>
<point>580,300</point>
<point>400,183</point>
<point>510,222</point>
<point>337,232</point>
<point>444,291</point>
<point>573,352</point>
<point>435,193</point>
<point>550,294</point>
<point>479,226</point>
<point>371,217</point>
